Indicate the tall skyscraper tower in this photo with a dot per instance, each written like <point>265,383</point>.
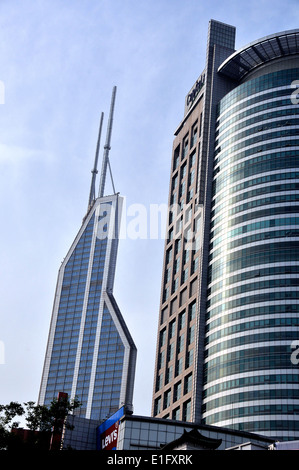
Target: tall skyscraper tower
<point>229,315</point>
<point>90,353</point>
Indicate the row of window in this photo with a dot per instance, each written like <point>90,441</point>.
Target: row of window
<point>253,286</point>
<point>281,161</point>
<point>254,324</point>
<point>254,410</point>
<point>254,273</point>
<point>269,95</point>
<point>181,363</point>
<point>262,108</point>
<point>242,313</point>
<point>258,85</point>
<point>252,142</point>
<point>251,395</point>
<point>248,205</point>
<point>262,115</point>
<point>262,236</point>
<point>284,115</point>
<point>263,180</point>
<point>172,395</point>
<point>260,225</point>
<point>180,153</point>
<point>253,193</point>
<point>267,162</point>
<point>248,339</point>
<point>248,360</point>
<point>273,296</point>
<point>181,413</point>
<point>280,252</point>
<point>266,427</point>
<point>253,380</point>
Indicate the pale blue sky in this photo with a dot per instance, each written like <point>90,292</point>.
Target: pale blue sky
<point>59,61</point>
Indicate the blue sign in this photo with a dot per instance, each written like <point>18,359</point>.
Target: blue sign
<point>107,432</point>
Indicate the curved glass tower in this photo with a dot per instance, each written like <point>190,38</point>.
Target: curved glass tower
<point>252,303</point>
<point>244,286</point>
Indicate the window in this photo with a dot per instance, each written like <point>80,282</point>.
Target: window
<point>174,182</point>
<point>182,319</point>
<point>166,294</point>
<point>188,384</point>
<point>167,397</point>
<point>171,329</point>
<point>163,315</point>
<point>179,366</point>
<point>192,311</point>
<point>169,374</point>
<point>162,337</point>
<point>161,359</point>
<point>189,359</point>
<point>176,414</point>
<point>191,176</point>
<point>177,391</point>
<point>194,132</point>
<point>187,410</point>
<point>170,351</point>
<point>192,159</point>
<point>175,285</point>
<point>168,255</point>
<point>185,274</point>
<point>181,342</point>
<point>195,264</point>
<point>176,158</point>
<point>185,147</point>
<point>159,382</point>
<point>183,188</point>
<point>157,406</point>
<point>186,256</point>
<point>176,265</point>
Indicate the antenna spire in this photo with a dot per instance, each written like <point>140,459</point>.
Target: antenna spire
<point>95,167</point>
<point>107,146</point>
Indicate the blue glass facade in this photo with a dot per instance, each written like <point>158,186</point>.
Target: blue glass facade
<point>90,353</point>
<point>252,319</point>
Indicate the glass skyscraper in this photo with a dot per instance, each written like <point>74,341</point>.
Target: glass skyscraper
<point>229,315</point>
<point>90,353</point>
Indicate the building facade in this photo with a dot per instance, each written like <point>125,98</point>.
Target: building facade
<point>229,315</point>
<point>90,353</point>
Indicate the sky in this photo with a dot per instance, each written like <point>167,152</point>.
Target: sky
<point>59,61</point>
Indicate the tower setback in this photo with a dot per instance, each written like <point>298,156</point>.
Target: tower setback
<point>90,353</point>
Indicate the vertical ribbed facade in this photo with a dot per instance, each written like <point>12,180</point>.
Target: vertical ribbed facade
<point>90,353</point>
<point>244,219</point>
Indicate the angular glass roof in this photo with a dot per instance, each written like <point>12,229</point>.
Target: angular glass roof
<point>278,45</point>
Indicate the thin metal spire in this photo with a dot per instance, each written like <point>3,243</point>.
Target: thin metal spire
<point>95,167</point>
<point>107,146</point>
